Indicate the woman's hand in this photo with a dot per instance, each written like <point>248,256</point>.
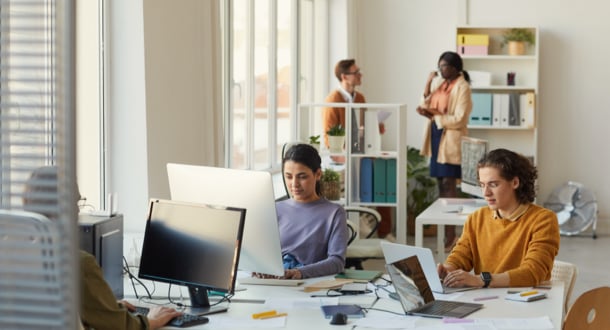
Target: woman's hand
<point>293,274</point>
<point>424,112</point>
<point>160,316</point>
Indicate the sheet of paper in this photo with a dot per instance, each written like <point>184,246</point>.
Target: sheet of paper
<point>542,322</point>
<point>383,115</point>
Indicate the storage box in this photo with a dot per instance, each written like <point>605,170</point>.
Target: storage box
<point>472,50</point>
<point>473,39</point>
<point>480,78</point>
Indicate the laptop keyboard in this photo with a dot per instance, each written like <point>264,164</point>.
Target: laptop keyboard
<point>182,321</point>
<point>439,307</point>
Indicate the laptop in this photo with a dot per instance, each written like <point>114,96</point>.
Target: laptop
<point>415,294</point>
<point>394,252</point>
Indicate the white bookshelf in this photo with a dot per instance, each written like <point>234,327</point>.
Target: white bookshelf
<point>308,122</point>
<point>498,63</point>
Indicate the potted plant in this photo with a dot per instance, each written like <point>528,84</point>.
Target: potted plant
<point>336,138</point>
<point>422,189</point>
<point>516,39</point>
<point>330,184</point>
<point>314,141</point>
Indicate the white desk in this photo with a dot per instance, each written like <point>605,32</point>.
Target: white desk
<point>310,316</point>
<point>443,212</point>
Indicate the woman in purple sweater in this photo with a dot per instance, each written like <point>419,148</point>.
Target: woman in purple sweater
<point>313,231</point>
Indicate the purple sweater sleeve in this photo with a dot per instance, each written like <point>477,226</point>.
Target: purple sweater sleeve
<point>315,234</point>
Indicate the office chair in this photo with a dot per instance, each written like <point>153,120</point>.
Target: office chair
<point>590,311</point>
<point>31,272</point>
<point>361,245</point>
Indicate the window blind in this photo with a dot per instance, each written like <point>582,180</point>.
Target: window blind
<point>38,286</point>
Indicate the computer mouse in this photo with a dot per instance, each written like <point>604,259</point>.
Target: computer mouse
<point>338,319</point>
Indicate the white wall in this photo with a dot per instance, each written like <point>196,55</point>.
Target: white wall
<point>400,42</point>
<point>128,165</point>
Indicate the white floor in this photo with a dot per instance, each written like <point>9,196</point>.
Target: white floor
<point>590,255</point>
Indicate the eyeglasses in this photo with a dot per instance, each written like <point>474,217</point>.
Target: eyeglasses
<point>357,72</point>
<point>490,184</point>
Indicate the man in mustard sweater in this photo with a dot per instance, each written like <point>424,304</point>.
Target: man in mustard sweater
<point>511,242</point>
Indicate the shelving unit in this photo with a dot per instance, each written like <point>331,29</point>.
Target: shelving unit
<point>393,146</point>
<point>522,139</point>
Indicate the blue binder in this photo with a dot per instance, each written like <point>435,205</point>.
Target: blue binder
<point>391,180</point>
<point>379,180</point>
<point>481,109</point>
<point>366,180</point>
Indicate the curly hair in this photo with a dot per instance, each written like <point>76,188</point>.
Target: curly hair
<point>511,165</point>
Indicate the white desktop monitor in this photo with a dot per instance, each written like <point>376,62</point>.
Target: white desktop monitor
<point>252,190</point>
<point>472,151</point>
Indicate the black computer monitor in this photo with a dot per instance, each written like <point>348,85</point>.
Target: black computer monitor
<point>193,245</point>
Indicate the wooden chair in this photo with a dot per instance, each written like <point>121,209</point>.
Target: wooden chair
<point>565,272</point>
<point>590,311</point>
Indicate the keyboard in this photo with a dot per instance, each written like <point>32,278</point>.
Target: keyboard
<point>269,281</point>
<point>182,321</point>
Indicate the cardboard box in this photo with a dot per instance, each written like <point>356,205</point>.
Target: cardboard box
<point>473,39</point>
<point>472,50</point>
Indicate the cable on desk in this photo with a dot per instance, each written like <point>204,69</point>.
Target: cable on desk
<point>132,278</point>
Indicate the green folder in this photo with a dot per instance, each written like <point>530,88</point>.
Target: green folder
<point>359,275</point>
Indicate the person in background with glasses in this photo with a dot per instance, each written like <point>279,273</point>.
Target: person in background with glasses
<point>349,75</point>
<point>447,104</point>
<point>511,242</point>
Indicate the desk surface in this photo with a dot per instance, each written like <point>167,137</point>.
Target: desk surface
<point>444,211</point>
<point>304,311</point>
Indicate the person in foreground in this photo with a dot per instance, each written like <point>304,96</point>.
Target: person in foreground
<point>511,242</point>
<point>313,231</point>
<point>447,103</point>
<point>99,308</point>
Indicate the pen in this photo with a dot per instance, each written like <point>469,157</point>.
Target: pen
<point>264,314</point>
<point>272,316</point>
<point>528,293</point>
<point>485,298</point>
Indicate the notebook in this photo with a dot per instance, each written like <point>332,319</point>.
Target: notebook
<point>394,252</point>
<point>415,294</point>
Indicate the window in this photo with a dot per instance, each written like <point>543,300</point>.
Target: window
<point>27,85</point>
<point>261,55</point>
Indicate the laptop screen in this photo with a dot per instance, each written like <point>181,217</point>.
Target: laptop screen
<point>410,283</point>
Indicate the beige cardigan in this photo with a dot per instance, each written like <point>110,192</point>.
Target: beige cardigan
<point>454,122</point>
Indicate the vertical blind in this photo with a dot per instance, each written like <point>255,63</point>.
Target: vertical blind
<point>38,286</point>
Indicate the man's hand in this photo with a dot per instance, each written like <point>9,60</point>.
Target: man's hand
<point>461,278</point>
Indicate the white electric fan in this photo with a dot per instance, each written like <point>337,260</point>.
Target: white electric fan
<point>575,206</point>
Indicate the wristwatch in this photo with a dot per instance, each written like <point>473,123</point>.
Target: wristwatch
<point>486,277</point>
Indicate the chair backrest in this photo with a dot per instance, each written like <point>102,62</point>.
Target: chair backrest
<point>31,283</point>
<point>565,272</point>
<point>590,311</point>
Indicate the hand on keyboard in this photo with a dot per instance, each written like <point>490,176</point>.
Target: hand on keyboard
<point>160,316</point>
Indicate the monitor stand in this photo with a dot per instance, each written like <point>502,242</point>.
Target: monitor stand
<point>200,303</point>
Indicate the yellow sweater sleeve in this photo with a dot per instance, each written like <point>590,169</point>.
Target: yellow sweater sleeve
<point>525,248</point>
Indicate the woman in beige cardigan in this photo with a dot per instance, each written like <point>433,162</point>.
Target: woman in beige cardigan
<point>447,102</point>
